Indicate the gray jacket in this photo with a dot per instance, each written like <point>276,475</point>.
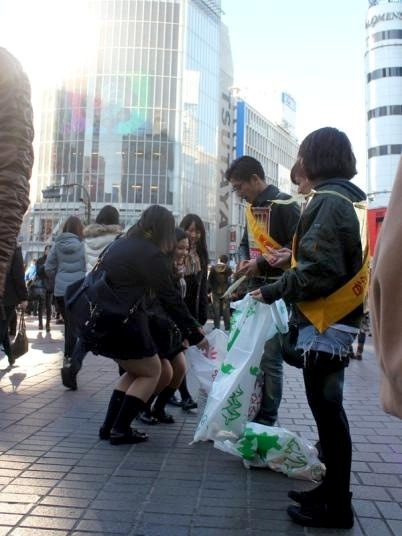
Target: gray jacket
<point>66,262</point>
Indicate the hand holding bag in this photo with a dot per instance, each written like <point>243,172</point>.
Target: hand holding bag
<point>20,345</point>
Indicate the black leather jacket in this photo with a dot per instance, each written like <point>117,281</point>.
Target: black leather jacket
<point>328,249</point>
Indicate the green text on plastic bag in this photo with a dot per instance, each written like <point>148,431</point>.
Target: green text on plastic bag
<point>229,412</point>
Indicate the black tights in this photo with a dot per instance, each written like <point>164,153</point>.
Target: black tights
<point>323,380</point>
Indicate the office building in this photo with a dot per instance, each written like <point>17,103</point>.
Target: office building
<point>136,122</point>
<point>274,145</point>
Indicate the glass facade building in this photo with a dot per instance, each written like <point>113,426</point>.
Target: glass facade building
<point>137,120</point>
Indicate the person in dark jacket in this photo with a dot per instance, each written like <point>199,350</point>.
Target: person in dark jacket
<point>279,221</point>
<point>66,264</point>
<point>218,281</point>
<point>16,154</point>
<point>326,284</point>
<point>97,236</point>
<point>44,288</point>
<point>137,266</point>
<point>15,293</point>
<point>195,275</point>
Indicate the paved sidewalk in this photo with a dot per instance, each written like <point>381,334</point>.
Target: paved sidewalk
<point>57,478</point>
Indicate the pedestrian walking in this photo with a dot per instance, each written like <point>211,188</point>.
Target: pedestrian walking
<point>97,236</point>
<point>66,264</point>
<point>269,225</point>
<point>219,281</point>
<point>326,283</point>
<point>44,288</point>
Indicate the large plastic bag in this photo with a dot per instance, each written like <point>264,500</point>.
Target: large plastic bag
<point>226,411</point>
<point>205,365</point>
<point>276,448</point>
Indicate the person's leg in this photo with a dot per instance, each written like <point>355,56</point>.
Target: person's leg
<point>164,380</point>
<point>48,305</point>
<point>139,383</point>
<point>40,311</point>
<point>216,307</point>
<point>272,366</point>
<point>361,339</point>
<point>226,314</point>
<point>187,401</point>
<point>179,370</point>
<point>329,505</point>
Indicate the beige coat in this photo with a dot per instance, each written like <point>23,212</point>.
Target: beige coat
<point>16,155</point>
<point>386,302</point>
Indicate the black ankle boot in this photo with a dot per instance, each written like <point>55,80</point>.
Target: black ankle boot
<point>313,496</point>
<point>115,403</point>
<point>338,515</point>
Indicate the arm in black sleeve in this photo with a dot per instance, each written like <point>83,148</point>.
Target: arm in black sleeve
<point>160,279</point>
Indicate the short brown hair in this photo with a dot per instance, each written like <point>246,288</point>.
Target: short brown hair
<point>73,225</point>
<point>327,153</point>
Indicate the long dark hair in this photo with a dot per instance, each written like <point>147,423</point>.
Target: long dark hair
<point>156,224</point>
<point>73,225</point>
<point>201,245</point>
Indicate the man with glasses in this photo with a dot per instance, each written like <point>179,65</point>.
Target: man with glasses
<point>247,177</point>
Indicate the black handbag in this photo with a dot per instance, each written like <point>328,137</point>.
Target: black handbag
<point>20,346</point>
<point>291,355</point>
<point>95,310</point>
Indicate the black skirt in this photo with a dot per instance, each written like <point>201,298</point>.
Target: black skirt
<point>126,340</point>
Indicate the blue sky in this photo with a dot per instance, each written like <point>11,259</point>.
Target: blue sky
<point>312,49</point>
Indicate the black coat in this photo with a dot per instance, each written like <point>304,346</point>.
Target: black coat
<point>328,249</point>
<point>137,270</point>
<point>15,289</point>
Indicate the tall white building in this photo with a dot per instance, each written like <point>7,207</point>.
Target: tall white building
<point>383,97</point>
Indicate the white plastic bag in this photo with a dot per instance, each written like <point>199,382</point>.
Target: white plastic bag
<point>276,448</point>
<point>205,365</point>
<point>228,403</point>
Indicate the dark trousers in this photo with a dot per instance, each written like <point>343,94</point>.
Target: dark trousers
<point>221,308</point>
<point>69,338</point>
<point>45,303</point>
<point>323,380</point>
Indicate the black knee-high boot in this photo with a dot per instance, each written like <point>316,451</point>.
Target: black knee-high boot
<point>158,411</point>
<point>163,399</point>
<point>121,431</point>
<point>115,403</point>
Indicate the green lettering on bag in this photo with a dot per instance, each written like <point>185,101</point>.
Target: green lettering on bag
<point>295,457</point>
<point>230,413</point>
<point>254,371</point>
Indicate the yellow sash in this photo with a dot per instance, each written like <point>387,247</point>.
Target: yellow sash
<point>260,235</point>
<point>324,312</point>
